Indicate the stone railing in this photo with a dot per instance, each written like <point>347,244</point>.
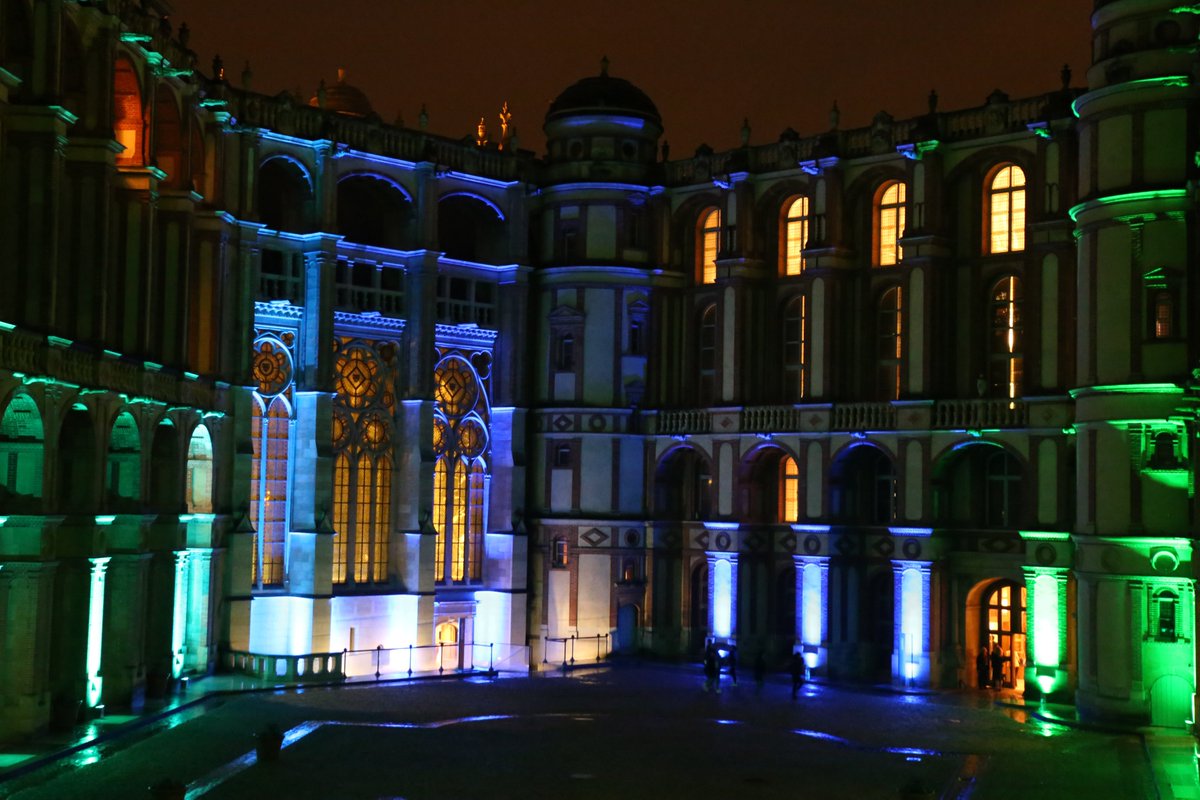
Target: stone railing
<point>977,414</point>
<point>768,419</point>
<point>863,417</point>
<point>289,669</point>
<point>686,421</point>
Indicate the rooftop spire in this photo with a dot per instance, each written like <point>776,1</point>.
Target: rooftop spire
<point>604,66</point>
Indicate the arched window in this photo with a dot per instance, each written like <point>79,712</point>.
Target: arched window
<point>1006,202</point>
<point>795,236</point>
<point>364,407</point>
<point>199,472</point>
<point>706,356</point>
<point>709,245</point>
<point>795,349</point>
<point>21,452</point>
<point>461,441</point>
<point>129,119</point>
<point>889,222</point>
<point>789,494</point>
<point>1164,315</point>
<point>1003,611</point>
<point>1006,362</point>
<point>863,487</point>
<point>270,434</point>
<point>1002,498</point>
<point>890,348</point>
<point>1166,604</point>
<point>123,476</point>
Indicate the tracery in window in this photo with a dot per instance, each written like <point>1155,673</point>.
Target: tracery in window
<point>709,244</point>
<point>795,349</point>
<point>1006,203</point>
<point>795,235</point>
<point>890,336</point>
<point>889,214</point>
<point>461,441</point>
<point>270,434</point>
<point>364,410</point>
<point>1006,362</point>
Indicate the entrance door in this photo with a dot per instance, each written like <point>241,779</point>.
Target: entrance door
<point>1003,621</point>
<point>627,619</point>
<point>1170,702</point>
<point>449,646</point>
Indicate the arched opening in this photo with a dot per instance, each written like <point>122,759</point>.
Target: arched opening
<point>999,636</point>
<point>447,633</point>
<point>768,480</point>
<point>22,443</point>
<point>77,462</point>
<point>862,484</point>
<point>978,486</point>
<point>123,466</point>
<point>199,485</point>
<point>129,114</point>
<point>270,432</point>
<point>683,486</point>
<point>168,139</point>
<point>285,196</point>
<point>165,494</point>
<point>1006,209</point>
<point>471,230</point>
<point>373,211</point>
<point>708,244</point>
<point>793,235</point>
<point>889,223</point>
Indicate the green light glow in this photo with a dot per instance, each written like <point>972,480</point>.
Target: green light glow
<point>134,38</point>
<point>1186,9</point>
<point>95,635</point>
<point>191,376</point>
<point>107,519</point>
<point>3,520</point>
<point>1045,622</point>
<point>1124,86</point>
<point>1128,197</point>
<point>7,326</point>
<point>1044,536</point>
<point>1127,388</point>
<point>58,341</point>
<point>1171,478</point>
<point>179,615</point>
<point>153,365</point>
<point>112,354</point>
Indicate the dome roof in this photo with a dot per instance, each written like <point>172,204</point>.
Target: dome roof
<point>603,94</point>
<point>343,98</point>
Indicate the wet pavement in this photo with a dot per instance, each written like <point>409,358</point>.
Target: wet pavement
<point>644,731</point>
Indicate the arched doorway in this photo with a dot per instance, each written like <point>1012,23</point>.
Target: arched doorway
<point>1002,621</point>
<point>627,629</point>
<point>449,646</point>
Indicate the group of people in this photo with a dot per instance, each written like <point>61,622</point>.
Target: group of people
<point>989,666</point>
<point>712,669</point>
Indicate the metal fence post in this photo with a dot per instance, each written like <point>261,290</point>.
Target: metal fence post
<point>410,660</point>
<point>378,658</point>
<point>491,659</point>
<point>441,657</point>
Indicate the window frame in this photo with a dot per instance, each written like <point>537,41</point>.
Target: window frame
<point>888,252</point>
<point>1008,171</point>
<point>708,240</point>
<point>789,266</point>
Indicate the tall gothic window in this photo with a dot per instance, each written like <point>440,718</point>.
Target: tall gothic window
<point>795,235</point>
<point>1006,363</point>
<point>789,495</point>
<point>706,355</point>
<point>270,434</point>
<point>889,223</point>
<point>1006,203</point>
<point>709,244</point>
<point>364,410</point>
<point>795,349</point>
<point>889,356</point>
<point>460,478</point>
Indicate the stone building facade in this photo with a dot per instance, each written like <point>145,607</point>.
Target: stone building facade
<point>281,384</point>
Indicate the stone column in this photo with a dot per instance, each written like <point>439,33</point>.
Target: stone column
<point>910,651</point>
<point>124,632</point>
<point>812,604</point>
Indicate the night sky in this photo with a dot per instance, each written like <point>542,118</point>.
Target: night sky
<point>706,64</point>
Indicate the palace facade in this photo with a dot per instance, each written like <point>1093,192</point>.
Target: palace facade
<point>282,384</point>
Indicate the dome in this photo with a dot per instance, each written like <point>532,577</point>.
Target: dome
<point>603,94</point>
<point>343,98</point>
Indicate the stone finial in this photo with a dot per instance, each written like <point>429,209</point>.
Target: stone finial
<point>321,94</point>
<point>481,137</point>
<point>666,150</point>
<point>604,66</point>
<point>218,67</point>
<point>745,131</point>
<point>247,76</point>
<point>423,118</point>
<point>1065,75</point>
<point>341,74</point>
<point>399,121</point>
<point>185,33</point>
<point>835,116</point>
<point>933,101</point>
<point>505,121</point>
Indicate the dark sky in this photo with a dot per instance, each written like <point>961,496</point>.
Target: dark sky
<point>707,64</point>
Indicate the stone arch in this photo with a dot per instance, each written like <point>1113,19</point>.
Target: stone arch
<point>684,225</point>
<point>169,141</point>
<point>165,490</point>
<point>22,455</point>
<point>374,210</point>
<point>198,489</point>
<point>683,484</point>
<point>978,484</point>
<point>129,112</point>
<point>863,485</point>
<point>471,228</point>
<point>123,465</point>
<point>285,198</point>
<point>761,491</point>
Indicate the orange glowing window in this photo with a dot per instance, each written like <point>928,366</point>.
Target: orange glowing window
<point>789,495</point>
<point>1006,201</point>
<point>1006,359</point>
<point>439,519</point>
<point>710,244</point>
<point>795,236</point>
<point>890,222</point>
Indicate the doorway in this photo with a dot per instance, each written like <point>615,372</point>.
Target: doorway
<point>1003,622</point>
<point>627,627</point>
<point>450,655</point>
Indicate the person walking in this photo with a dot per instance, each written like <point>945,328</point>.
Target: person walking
<point>712,670</point>
<point>981,667</point>
<point>997,660</point>
<point>797,669</point>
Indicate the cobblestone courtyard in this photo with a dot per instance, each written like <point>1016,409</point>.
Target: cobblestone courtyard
<point>627,732</point>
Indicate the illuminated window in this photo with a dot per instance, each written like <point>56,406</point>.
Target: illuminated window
<point>1006,203</point>
<point>21,452</point>
<point>269,487</point>
<point>1166,604</point>
<point>1006,362</point>
<point>706,356</point>
<point>795,349</point>
<point>198,488</point>
<point>363,408</point>
<point>889,217</point>
<point>790,490</point>
<point>1004,625</point>
<point>129,120</point>
<point>890,352</point>
<point>795,236</point>
<point>461,441</point>
<point>559,552</point>
<point>709,245</point>
<point>1164,315</point>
